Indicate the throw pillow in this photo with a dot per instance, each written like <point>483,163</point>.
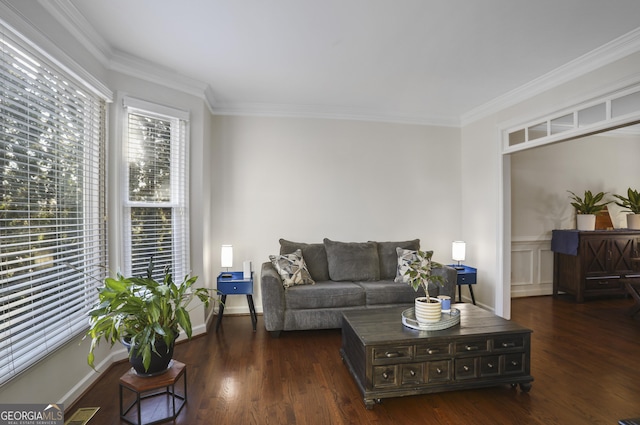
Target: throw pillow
<point>406,257</point>
<point>389,257</point>
<point>314,255</point>
<point>352,261</point>
<point>292,269</point>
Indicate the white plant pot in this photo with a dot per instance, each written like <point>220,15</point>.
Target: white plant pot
<point>428,312</point>
<point>586,221</point>
<point>633,221</point>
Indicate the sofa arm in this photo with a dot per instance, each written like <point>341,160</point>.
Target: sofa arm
<point>273,304</point>
<point>450,283</point>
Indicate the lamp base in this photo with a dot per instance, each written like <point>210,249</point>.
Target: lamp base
<point>226,275</point>
<point>458,267</point>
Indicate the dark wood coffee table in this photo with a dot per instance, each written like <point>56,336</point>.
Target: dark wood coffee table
<point>388,359</point>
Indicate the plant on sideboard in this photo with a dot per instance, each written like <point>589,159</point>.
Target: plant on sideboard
<point>590,204</point>
<point>632,203</point>
<point>587,208</point>
<point>145,315</point>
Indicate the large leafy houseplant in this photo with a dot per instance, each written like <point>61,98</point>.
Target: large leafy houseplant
<point>589,204</point>
<point>630,202</point>
<point>142,312</point>
<point>420,273</point>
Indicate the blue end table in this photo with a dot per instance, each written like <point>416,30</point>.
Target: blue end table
<point>466,276</point>
<point>233,283</point>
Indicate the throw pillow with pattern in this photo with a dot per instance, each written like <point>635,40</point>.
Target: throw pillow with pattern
<point>405,257</point>
<point>292,269</point>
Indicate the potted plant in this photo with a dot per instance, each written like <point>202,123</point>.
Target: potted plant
<point>587,208</point>
<point>419,275</point>
<point>145,315</point>
<point>632,203</point>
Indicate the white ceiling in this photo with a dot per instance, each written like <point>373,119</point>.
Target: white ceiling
<point>400,60</point>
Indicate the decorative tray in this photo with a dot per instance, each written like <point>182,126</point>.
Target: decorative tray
<point>448,319</point>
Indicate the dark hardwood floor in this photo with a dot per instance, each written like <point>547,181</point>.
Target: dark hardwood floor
<point>585,360</point>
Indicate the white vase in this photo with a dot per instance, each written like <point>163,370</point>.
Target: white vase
<point>427,312</point>
<point>633,221</point>
<point>586,221</point>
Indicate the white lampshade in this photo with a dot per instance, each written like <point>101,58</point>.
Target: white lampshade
<point>226,256</point>
<point>458,249</point>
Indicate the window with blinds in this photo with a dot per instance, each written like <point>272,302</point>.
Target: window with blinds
<point>156,218</point>
<point>52,229</point>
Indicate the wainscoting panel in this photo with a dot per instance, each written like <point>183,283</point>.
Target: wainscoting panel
<point>531,267</point>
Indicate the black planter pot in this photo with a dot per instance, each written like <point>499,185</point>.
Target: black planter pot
<point>160,362</point>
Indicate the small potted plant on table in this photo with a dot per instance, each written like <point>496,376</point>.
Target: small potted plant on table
<point>632,203</point>
<point>587,208</point>
<point>427,309</point>
<point>145,315</point>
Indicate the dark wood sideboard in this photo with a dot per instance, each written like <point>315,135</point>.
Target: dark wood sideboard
<point>595,263</point>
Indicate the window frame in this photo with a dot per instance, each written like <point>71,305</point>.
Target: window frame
<point>179,202</point>
<point>70,115</point>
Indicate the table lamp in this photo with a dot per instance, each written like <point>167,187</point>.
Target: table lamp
<point>458,252</point>
<point>226,258</point>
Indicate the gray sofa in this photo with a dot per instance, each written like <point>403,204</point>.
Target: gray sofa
<point>346,276</point>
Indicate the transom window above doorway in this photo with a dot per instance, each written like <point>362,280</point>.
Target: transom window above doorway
<point>614,110</point>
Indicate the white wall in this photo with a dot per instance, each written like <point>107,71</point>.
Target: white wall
<point>482,176</point>
<point>540,179</point>
<point>307,179</point>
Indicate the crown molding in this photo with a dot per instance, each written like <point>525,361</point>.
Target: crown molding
<point>608,53</point>
<point>69,16</point>
<point>149,71</point>
<point>77,25</point>
<point>73,21</point>
<point>329,112</point>
<point>29,33</point>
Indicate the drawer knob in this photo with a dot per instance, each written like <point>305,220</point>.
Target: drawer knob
<point>385,375</point>
<point>439,371</point>
<point>412,372</point>
<point>514,363</point>
<point>392,354</point>
<point>465,368</point>
<point>433,351</point>
<point>235,288</point>
<point>508,344</point>
<point>471,348</point>
<point>490,365</point>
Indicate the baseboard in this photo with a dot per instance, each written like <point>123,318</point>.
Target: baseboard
<point>85,384</point>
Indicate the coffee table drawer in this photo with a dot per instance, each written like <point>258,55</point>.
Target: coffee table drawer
<point>439,371</point>
<point>385,376</point>
<point>387,355</point>
<point>432,350</point>
<point>514,363</point>
<point>474,346</point>
<point>466,368</point>
<point>490,366</point>
<point>412,373</point>
<point>508,343</point>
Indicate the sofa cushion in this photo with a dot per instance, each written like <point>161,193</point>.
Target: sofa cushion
<point>352,261</point>
<point>292,269</point>
<point>325,295</point>
<point>406,257</point>
<point>389,292</point>
<point>314,255</point>
<point>388,256</point>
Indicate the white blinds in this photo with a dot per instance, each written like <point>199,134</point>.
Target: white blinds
<point>52,230</point>
<point>156,218</point>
